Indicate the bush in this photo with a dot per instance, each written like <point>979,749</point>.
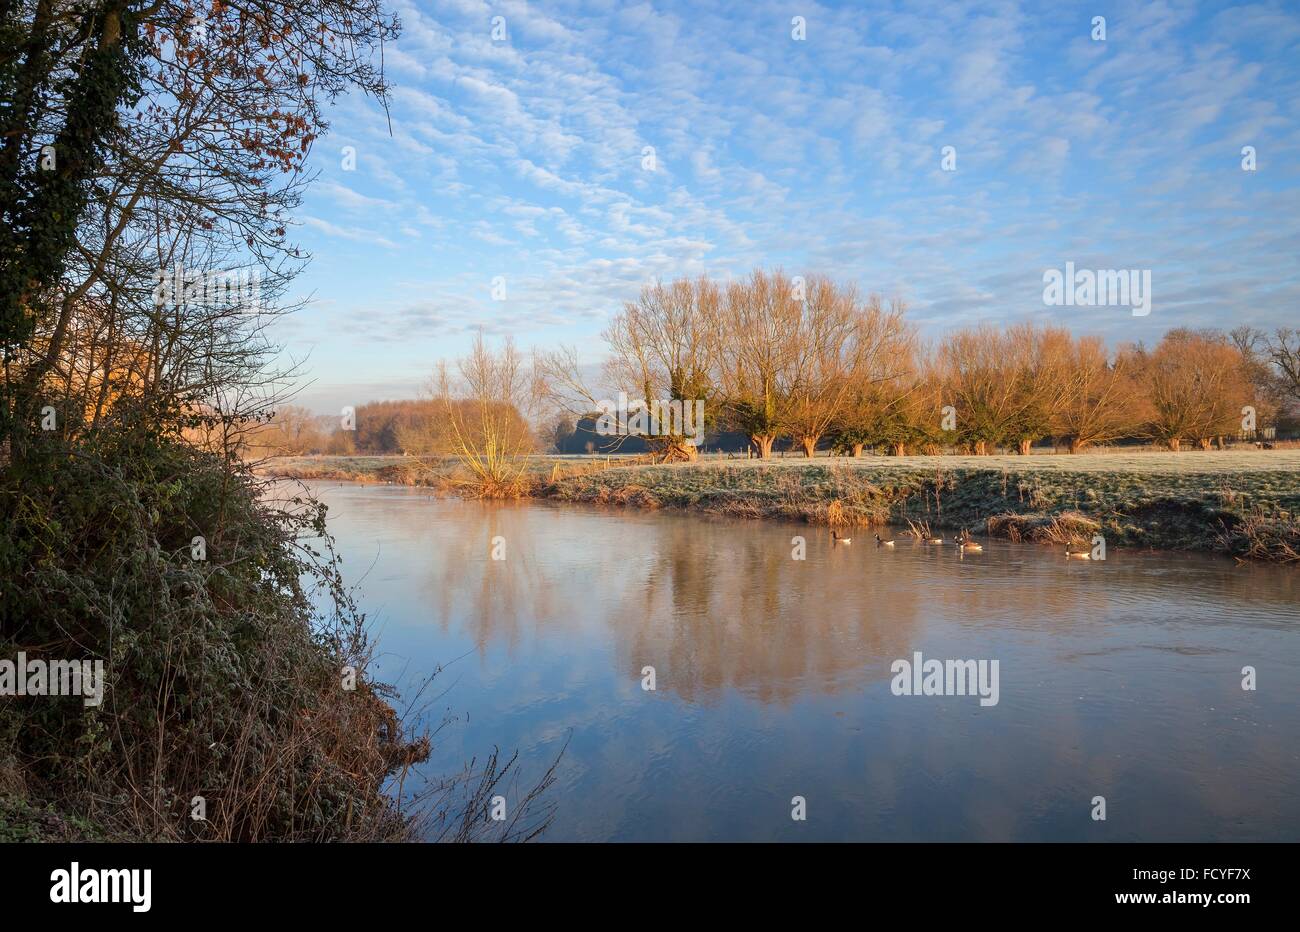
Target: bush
<point>223,680</point>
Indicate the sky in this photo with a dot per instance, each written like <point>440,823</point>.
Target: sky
<point>947,155</point>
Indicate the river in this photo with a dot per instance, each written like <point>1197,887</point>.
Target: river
<point>774,676</point>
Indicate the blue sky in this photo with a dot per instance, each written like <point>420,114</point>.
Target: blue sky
<point>524,159</point>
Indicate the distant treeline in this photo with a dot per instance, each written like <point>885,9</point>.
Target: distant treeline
<point>804,362</point>
<point>420,427</point>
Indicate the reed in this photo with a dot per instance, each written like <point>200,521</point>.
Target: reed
<point>918,529</point>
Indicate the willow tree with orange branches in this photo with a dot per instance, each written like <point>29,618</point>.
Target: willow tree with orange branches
<point>1194,388</point>
<point>827,353</point>
<point>1100,401</point>
<point>661,349</point>
<point>1040,360</point>
<point>486,431</point>
<point>758,358</point>
<point>885,383</point>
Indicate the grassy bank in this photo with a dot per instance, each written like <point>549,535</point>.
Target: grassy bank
<point>1148,501</point>
<point>1241,503</point>
<point>224,710</point>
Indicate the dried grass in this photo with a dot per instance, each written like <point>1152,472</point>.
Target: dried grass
<point>1263,535</point>
<point>919,529</point>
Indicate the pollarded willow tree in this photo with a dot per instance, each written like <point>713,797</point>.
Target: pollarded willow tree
<point>1194,388</point>
<point>662,350</point>
<point>979,383</point>
<point>662,360</point>
<point>1100,401</point>
<point>827,356</point>
<point>1006,385</point>
<point>910,419</point>
<point>885,385</point>
<point>759,356</point>
<point>1040,357</point>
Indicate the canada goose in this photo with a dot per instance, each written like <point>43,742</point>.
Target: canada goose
<point>1077,554</point>
<point>967,544</point>
<point>883,543</point>
<point>835,538</point>
<point>932,540</point>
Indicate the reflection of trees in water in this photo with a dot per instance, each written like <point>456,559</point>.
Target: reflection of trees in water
<point>723,605</point>
<point>495,599</point>
<point>719,605</point>
<point>711,605</point>
<point>716,605</point>
<point>1024,770</point>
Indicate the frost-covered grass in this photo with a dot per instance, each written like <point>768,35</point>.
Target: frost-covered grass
<point>1242,502</point>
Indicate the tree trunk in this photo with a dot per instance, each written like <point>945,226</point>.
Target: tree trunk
<point>809,445</point>
<point>1174,443</point>
<point>1075,444</point>
<point>764,445</point>
<point>857,449</point>
<point>1203,443</point>
<point>981,448</point>
<point>678,450</point>
<point>900,449</point>
<point>1024,446</point>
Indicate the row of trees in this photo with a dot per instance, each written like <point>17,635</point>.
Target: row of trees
<point>810,360</point>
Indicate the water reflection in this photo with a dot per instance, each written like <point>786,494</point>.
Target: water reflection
<point>1119,678</point>
<point>710,606</point>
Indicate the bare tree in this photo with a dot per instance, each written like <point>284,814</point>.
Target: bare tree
<point>760,334</point>
<point>1195,387</point>
<point>884,382</point>
<point>1099,398</point>
<point>298,430</point>
<point>1040,360</point>
<point>182,172</point>
<point>1283,349</point>
<point>981,381</point>
<point>489,435</point>
<point>826,354</point>
<point>661,349</point>
<point>1265,376</point>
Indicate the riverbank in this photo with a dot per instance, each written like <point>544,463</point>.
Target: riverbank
<point>1242,503</point>
<point>170,657</point>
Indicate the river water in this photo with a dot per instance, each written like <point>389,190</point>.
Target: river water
<point>1120,679</point>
